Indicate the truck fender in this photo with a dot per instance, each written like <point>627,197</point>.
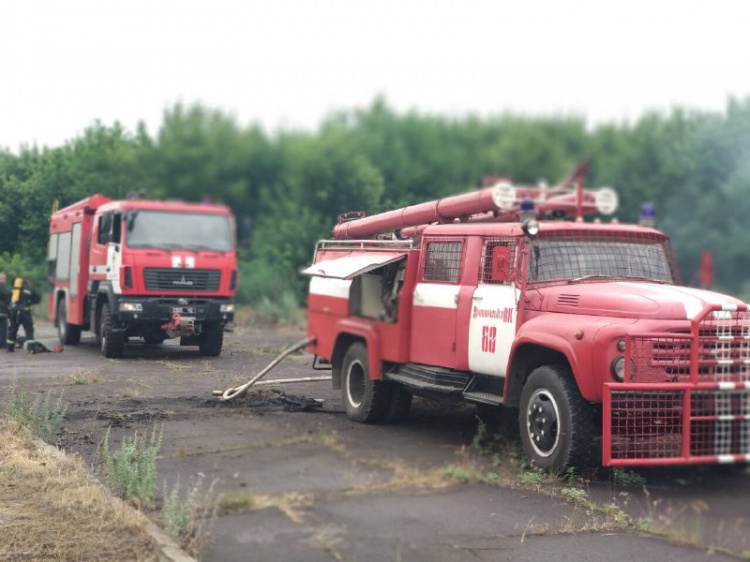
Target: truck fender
<point>349,330</point>
<point>105,293</point>
<point>557,347</point>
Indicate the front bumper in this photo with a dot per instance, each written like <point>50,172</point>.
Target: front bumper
<point>676,423</point>
<point>146,310</point>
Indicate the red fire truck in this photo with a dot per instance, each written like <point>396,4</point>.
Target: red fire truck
<point>494,298</point>
<point>142,269</point>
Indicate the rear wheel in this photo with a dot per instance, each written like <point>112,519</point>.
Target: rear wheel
<point>558,425</point>
<point>68,334</point>
<point>211,339</point>
<point>365,400</point>
<point>112,342</point>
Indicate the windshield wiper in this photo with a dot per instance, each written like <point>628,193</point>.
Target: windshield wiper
<point>585,277</point>
<point>649,279</point>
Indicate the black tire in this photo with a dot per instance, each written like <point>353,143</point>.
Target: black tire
<point>212,338</point>
<point>69,334</point>
<point>557,425</point>
<point>365,400</point>
<point>112,343</point>
<point>398,409</point>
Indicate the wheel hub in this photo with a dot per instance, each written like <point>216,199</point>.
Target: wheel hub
<point>355,384</point>
<point>542,422</point>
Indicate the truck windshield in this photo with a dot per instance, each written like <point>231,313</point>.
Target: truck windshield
<point>188,231</point>
<point>572,260</point>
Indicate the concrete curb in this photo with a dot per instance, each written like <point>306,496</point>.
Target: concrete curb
<point>169,550</point>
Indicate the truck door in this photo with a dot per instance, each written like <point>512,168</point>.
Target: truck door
<point>106,256</point>
<point>435,302</point>
<point>494,309</point>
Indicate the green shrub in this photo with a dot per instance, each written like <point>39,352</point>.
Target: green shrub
<point>284,311</point>
<point>41,417</point>
<point>131,470</point>
<point>261,280</point>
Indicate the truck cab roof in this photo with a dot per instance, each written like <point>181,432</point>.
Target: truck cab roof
<point>508,229</point>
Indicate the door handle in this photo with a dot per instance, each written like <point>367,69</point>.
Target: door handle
<point>477,298</point>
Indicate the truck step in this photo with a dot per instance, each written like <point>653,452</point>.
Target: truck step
<point>484,398</point>
<point>425,377</point>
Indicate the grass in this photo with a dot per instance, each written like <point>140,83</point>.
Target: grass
<point>43,417</point>
<point>624,477</point>
<point>292,504</point>
<point>51,510</point>
<point>131,470</point>
<point>84,377</point>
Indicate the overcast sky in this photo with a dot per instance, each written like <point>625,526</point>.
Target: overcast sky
<point>287,63</point>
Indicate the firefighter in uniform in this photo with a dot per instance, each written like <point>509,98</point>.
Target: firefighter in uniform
<point>4,304</point>
<point>22,298</point>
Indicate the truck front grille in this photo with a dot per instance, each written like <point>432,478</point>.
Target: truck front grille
<point>182,280</point>
<point>686,396</point>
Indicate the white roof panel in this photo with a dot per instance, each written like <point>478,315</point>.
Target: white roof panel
<point>352,264</point>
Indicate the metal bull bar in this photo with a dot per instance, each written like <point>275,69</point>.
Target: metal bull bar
<point>685,398</point>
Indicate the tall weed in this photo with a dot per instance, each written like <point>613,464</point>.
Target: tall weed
<point>42,417</point>
<point>131,470</point>
<point>190,518</point>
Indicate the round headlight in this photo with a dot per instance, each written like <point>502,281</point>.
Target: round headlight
<point>621,345</point>
<point>530,227</point>
<point>618,368</point>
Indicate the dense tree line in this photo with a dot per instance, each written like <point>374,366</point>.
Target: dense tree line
<point>287,188</point>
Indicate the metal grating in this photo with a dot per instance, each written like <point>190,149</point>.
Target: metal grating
<point>719,349</point>
<point>646,425</point>
<point>182,280</point>
<point>581,256</point>
<point>720,423</point>
<point>662,424</point>
<point>498,264</point>
<point>443,262</point>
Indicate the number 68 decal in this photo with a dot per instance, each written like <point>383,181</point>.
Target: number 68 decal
<point>489,335</point>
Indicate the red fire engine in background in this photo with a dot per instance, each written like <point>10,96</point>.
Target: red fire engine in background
<point>146,269</point>
<point>581,326</point>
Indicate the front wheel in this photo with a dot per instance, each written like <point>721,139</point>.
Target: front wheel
<point>211,339</point>
<point>112,341</point>
<point>365,400</point>
<point>557,424</point>
<point>67,333</point>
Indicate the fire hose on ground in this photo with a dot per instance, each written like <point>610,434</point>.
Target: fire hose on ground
<point>232,393</point>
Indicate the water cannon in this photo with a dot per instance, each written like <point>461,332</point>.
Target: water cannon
<point>502,202</point>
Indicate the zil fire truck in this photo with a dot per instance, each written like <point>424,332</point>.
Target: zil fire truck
<point>494,298</point>
<point>142,269</point>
